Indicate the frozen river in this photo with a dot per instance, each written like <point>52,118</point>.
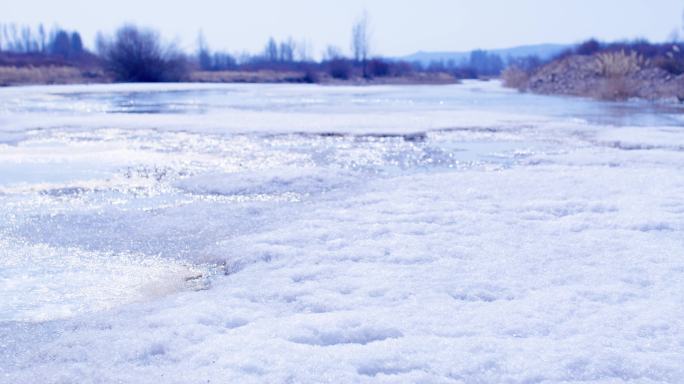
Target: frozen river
<point>295,233</point>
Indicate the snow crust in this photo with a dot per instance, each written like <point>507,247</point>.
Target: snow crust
<point>266,182</point>
<point>364,235</point>
<point>92,281</point>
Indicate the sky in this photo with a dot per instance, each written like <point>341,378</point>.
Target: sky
<point>399,27</point>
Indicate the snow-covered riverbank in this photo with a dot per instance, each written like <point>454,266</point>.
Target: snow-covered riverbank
<point>382,234</point>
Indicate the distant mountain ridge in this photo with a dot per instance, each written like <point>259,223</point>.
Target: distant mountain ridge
<point>544,51</point>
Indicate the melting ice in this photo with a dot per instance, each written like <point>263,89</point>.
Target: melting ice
<point>295,233</point>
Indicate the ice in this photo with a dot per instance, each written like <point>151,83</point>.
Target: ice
<point>79,282</point>
<point>670,138</point>
<point>245,233</point>
<point>269,182</point>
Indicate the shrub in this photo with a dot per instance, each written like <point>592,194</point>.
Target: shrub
<point>465,72</point>
<point>514,77</point>
<point>378,68</point>
<point>672,61</point>
<point>588,47</point>
<point>137,55</point>
<point>340,69</point>
<point>217,61</point>
<point>401,68</point>
<point>311,76</point>
<point>616,88</point>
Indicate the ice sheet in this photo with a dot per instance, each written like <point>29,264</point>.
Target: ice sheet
<point>456,234</point>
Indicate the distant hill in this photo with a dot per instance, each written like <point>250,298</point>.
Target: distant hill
<point>544,51</point>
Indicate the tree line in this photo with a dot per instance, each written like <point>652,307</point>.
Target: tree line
<point>24,39</point>
<point>136,53</point>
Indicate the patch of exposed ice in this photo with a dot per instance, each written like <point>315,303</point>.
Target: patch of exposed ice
<point>274,181</point>
<point>40,283</point>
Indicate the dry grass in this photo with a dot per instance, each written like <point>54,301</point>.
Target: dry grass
<point>416,78</point>
<point>610,75</point>
<point>48,75</point>
<point>271,76</point>
<point>616,88</point>
<point>263,76</point>
<point>617,68</point>
<point>617,64</point>
<point>515,78</point>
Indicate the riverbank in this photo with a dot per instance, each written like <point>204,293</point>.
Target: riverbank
<point>319,77</point>
<point>67,74</point>
<point>617,75</point>
<point>12,76</point>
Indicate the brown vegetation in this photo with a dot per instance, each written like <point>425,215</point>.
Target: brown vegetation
<point>615,72</point>
<point>26,75</point>
<point>257,76</point>
<point>619,64</point>
<point>315,76</point>
<point>514,77</point>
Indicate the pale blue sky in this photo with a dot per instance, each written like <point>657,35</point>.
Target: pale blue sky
<point>399,26</point>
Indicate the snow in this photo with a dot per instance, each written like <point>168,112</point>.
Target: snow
<point>79,281</point>
<point>269,181</point>
<point>632,138</point>
<point>466,245</point>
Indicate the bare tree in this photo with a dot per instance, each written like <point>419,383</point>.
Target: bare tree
<point>203,53</point>
<point>101,43</point>
<point>360,42</point>
<point>27,42</point>
<point>331,53</point>
<point>271,50</point>
<point>287,50</point>
<point>25,39</point>
<point>303,49</point>
<point>6,37</point>
<point>41,38</point>
<point>16,43</point>
<point>202,42</point>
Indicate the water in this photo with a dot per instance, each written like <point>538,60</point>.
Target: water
<point>119,193</point>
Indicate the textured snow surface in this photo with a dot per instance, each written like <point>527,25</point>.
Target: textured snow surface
<point>284,234</point>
